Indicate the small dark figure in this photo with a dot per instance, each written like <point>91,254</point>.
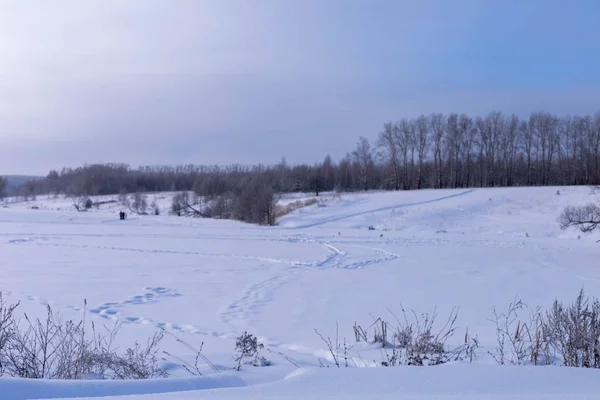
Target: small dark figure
<point>121,215</point>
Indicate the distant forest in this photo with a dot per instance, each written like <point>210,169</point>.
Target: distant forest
<point>435,151</point>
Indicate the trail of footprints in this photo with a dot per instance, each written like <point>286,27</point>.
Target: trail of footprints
<point>252,300</point>
<point>151,295</point>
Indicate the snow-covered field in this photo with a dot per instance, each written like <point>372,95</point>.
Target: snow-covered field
<point>345,260</point>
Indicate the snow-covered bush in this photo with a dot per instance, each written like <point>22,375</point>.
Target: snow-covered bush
<point>566,334</point>
<point>573,331</point>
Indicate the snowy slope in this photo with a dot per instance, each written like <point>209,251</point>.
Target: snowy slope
<point>337,262</point>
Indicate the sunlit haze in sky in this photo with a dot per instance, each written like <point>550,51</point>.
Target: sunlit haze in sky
<point>231,81</point>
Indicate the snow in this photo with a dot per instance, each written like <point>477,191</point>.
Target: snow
<point>343,260</point>
<point>404,383</point>
<point>42,389</point>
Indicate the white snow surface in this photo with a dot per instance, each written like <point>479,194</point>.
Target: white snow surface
<point>346,259</point>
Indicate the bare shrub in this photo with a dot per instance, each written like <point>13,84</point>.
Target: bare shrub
<point>123,199</point>
<point>574,331</point>
<point>7,328</point>
<point>334,351</point>
<point>138,203</point>
<point>248,348</point>
<point>45,349</point>
<point>195,368</point>
<point>51,349</point>
<point>359,333</point>
<point>338,351</point>
<point>414,340</point>
<point>585,218</point>
<point>82,203</point>
<point>138,362</point>
<point>253,201</point>
<point>285,357</point>
<point>520,340</point>
<point>155,207</point>
<point>183,204</point>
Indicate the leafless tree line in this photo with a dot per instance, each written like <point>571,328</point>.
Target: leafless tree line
<point>434,151</point>
<point>451,151</point>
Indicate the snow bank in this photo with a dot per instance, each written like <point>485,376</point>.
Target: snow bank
<point>21,389</point>
<point>402,383</point>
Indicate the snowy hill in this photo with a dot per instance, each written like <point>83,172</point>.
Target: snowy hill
<point>347,259</point>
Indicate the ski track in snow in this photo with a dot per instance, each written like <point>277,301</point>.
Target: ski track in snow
<point>388,208</point>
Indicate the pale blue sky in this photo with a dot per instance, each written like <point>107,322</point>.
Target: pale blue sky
<point>224,81</point>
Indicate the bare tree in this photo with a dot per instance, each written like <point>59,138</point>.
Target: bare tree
<point>509,144</point>
<point>183,205</point>
<point>438,128</point>
<point>528,140</point>
<point>585,218</point>
<point>388,143</point>
<point>363,158</point>
<point>594,147</point>
<point>468,137</point>
<point>3,186</point>
<point>317,179</point>
<point>328,169</point>
<point>138,203</point>
<point>490,131</point>
<point>454,143</point>
<point>567,150</point>
<point>421,139</point>
<point>82,203</point>
<point>405,138</point>
<point>544,129</point>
